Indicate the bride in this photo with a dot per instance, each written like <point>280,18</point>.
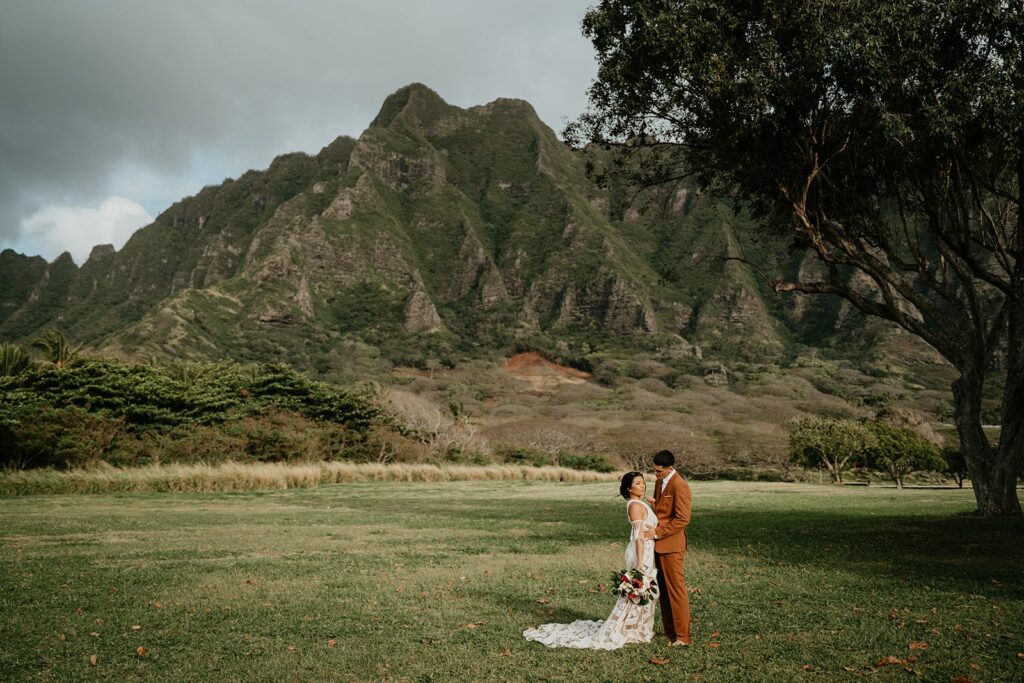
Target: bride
<point>628,622</point>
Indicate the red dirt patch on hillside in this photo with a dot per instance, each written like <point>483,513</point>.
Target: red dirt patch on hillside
<point>533,364</point>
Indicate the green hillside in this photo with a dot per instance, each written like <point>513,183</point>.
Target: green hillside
<point>440,235</point>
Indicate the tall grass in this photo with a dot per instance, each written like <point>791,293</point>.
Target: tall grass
<point>234,476</point>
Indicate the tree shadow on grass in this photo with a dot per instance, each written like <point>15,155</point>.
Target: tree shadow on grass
<point>962,553</point>
<point>534,614</point>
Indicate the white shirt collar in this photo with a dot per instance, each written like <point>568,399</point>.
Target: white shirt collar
<point>665,479</point>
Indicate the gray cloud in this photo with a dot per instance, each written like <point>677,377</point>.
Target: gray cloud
<point>150,101</point>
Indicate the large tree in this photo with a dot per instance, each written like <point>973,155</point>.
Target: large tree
<point>830,443</point>
<point>883,136</point>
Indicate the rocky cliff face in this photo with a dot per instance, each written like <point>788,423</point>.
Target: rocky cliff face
<point>437,227</point>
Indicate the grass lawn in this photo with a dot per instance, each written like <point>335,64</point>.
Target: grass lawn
<point>422,581</point>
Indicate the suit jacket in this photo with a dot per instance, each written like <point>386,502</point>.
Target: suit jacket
<point>673,510</point>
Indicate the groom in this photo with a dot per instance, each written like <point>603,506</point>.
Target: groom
<point>672,506</point>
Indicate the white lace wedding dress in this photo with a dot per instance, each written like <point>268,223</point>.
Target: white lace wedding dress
<point>628,622</point>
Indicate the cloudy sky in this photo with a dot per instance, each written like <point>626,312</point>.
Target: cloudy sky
<point>111,110</point>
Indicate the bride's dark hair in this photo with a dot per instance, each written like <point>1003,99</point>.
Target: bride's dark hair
<point>626,482</point>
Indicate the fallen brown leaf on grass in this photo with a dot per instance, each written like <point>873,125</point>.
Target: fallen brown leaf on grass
<point>61,637</point>
<point>808,667</point>
<point>849,668</point>
<point>542,601</point>
<point>474,624</point>
<point>715,645</point>
<point>716,634</point>
<point>94,634</point>
<point>136,627</point>
<point>250,582</point>
<point>158,605</point>
<point>141,651</point>
<point>505,653</point>
<point>919,645</point>
<point>975,666</point>
<point>331,642</point>
<point>658,660</point>
<point>92,660</point>
<point>959,679</point>
<point>891,661</point>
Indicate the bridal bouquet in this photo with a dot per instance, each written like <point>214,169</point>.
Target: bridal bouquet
<point>635,586</point>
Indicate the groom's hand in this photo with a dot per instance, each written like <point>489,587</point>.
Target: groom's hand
<point>650,533</point>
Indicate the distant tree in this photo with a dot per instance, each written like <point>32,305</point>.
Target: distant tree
<point>56,349</point>
<point>884,138</point>
<point>898,451</point>
<point>956,465</point>
<point>13,360</point>
<point>828,442</point>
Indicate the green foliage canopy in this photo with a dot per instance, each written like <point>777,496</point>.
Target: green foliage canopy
<point>149,396</point>
<point>828,442</point>
<point>898,451</point>
<point>75,415</point>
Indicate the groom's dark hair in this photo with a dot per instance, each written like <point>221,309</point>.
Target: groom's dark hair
<point>664,459</point>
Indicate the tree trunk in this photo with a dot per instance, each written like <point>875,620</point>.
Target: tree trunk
<point>993,472</point>
<point>836,470</point>
<point>1010,455</point>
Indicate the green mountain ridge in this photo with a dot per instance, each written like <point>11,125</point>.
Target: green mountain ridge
<point>440,233</point>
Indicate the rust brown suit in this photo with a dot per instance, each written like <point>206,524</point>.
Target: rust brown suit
<point>672,506</point>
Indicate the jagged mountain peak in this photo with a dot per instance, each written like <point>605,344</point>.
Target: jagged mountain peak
<point>101,251</point>
<point>415,102</point>
<point>439,228</point>
<point>10,255</point>
<point>64,259</point>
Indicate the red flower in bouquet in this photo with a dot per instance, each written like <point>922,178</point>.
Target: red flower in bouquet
<point>635,586</point>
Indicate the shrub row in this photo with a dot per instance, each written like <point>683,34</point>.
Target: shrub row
<point>130,414</point>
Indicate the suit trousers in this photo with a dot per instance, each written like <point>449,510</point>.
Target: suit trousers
<point>675,603</point>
